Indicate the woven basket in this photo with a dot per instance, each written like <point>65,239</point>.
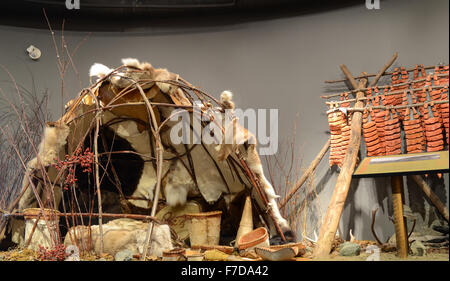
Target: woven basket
<point>42,235</point>
<point>204,228</point>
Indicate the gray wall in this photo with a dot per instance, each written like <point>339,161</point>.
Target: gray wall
<point>267,63</point>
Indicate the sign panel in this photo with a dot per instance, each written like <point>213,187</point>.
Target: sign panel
<point>415,163</point>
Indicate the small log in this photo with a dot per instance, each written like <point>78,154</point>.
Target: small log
<point>353,82</point>
<point>306,174</point>
<point>431,195</point>
<point>105,215</point>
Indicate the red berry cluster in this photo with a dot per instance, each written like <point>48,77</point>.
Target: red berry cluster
<point>58,253</point>
<point>83,158</point>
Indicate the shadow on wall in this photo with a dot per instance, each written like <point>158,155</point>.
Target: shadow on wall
<point>421,205</point>
<point>309,199</point>
<point>358,219</point>
<point>167,21</point>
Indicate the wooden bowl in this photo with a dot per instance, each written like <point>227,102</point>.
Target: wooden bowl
<point>253,238</point>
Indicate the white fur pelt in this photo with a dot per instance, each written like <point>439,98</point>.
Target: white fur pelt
<point>131,62</point>
<point>251,156</point>
<point>53,141</point>
<point>226,99</point>
<point>55,137</point>
<point>146,71</point>
<point>99,70</point>
<point>179,185</point>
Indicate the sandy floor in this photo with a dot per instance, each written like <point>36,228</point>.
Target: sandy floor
<point>391,257</point>
<point>29,255</point>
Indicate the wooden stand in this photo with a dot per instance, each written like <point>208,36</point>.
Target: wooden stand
<point>331,221</point>
<point>401,233</point>
<point>336,206</point>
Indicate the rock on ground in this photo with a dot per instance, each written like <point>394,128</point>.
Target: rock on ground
<point>125,255</point>
<point>349,249</point>
<point>418,249</point>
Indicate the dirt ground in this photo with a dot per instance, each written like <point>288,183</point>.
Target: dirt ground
<point>390,257</point>
<point>28,255</point>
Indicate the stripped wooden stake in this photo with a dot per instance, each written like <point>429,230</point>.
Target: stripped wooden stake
<point>159,158</point>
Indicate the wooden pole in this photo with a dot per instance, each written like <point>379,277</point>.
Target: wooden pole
<point>105,215</point>
<point>401,233</point>
<point>409,82</point>
<point>159,160</point>
<point>383,70</point>
<point>431,195</point>
<point>333,215</point>
<point>97,182</point>
<point>306,174</point>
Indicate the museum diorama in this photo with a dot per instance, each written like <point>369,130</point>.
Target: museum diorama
<point>224,131</point>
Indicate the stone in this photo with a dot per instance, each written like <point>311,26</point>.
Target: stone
<point>72,253</point>
<point>125,255</point>
<point>349,249</point>
<point>418,249</point>
<point>120,235</point>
